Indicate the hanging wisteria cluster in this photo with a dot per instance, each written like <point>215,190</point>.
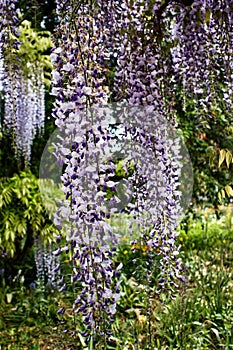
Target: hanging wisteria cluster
<point>144,72</point>
<point>142,79</point>
<point>83,44</point>
<point>163,49</point>
<point>8,25</point>
<point>155,205</point>
<point>202,57</point>
<point>80,89</point>
<point>182,47</point>
<point>171,47</point>
<point>24,107</point>
<point>47,264</point>
<point>8,28</point>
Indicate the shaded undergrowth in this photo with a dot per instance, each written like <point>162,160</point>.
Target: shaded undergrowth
<point>199,317</point>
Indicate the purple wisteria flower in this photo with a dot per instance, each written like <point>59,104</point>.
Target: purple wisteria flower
<point>156,207</point>
<point>85,40</point>
<point>202,58</point>
<point>8,25</point>
<point>24,107</point>
<point>142,80</point>
<point>79,84</point>
<point>47,263</point>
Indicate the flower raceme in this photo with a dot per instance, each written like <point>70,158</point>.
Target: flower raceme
<point>79,85</point>
<point>22,83</point>
<point>83,44</point>
<point>84,41</point>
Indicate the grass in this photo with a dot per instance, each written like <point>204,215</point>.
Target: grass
<point>199,317</point>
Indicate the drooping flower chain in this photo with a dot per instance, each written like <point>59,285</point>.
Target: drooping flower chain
<point>142,75</point>
<point>47,263</point>
<point>8,33</point>
<point>24,108</point>
<point>24,92</point>
<point>202,59</point>
<point>144,70</point>
<point>156,200</point>
<point>79,87</point>
<point>188,50</point>
<point>8,25</point>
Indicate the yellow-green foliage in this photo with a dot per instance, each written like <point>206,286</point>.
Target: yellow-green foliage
<point>33,51</point>
<point>225,156</point>
<point>22,211</point>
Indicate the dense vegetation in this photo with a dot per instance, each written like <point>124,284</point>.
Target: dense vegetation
<point>200,317</point>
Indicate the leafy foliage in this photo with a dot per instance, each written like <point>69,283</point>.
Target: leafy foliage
<point>204,141</point>
<point>32,51</point>
<point>22,213</point>
<point>33,48</point>
<point>200,317</point>
<point>226,158</point>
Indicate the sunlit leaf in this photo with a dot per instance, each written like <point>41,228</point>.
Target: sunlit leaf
<point>228,158</point>
<point>229,190</point>
<point>222,157</point>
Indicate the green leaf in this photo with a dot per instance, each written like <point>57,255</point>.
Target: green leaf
<point>208,15</point>
<point>229,190</point>
<point>9,297</point>
<point>228,158</point>
<point>216,332</point>
<point>221,157</point>
<point>211,158</point>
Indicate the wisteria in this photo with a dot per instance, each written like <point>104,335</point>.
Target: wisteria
<point>178,47</point>
<point>47,264</point>
<point>142,80</point>
<point>24,108</point>
<point>23,86</point>
<point>84,43</point>
<point>126,76</point>
<point>162,50</point>
<point>8,25</point>
<point>81,91</point>
<point>144,69</point>
<point>202,59</point>
<point>156,199</point>
<point>8,29</point>
<point>175,47</point>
